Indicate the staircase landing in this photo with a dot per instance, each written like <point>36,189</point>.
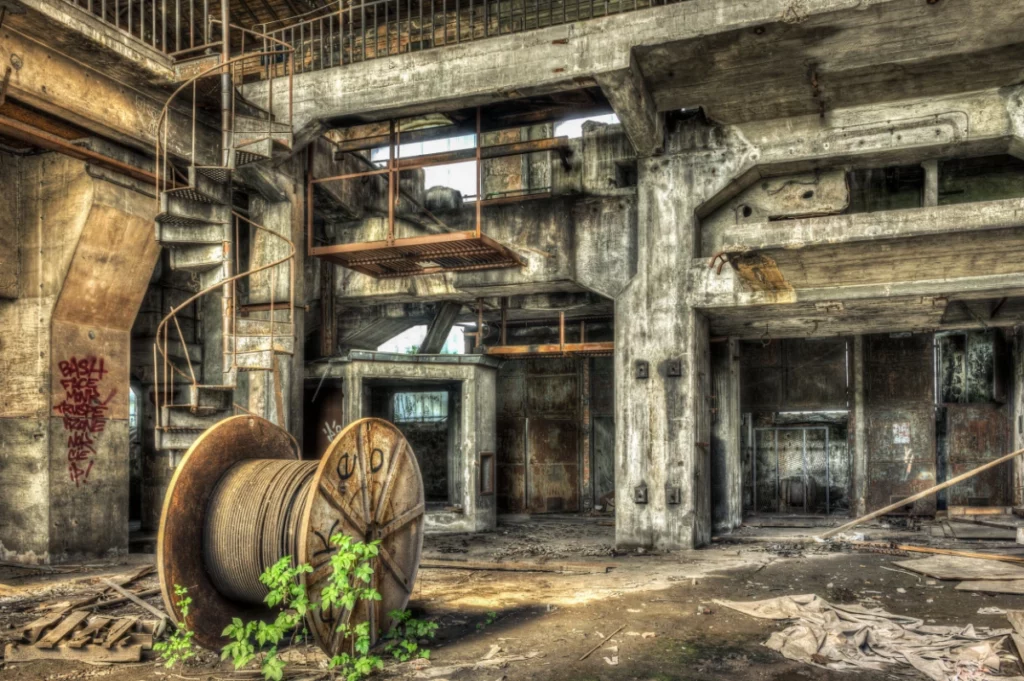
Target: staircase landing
<point>430,254</point>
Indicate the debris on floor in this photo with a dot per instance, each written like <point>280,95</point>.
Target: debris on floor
<point>851,637</point>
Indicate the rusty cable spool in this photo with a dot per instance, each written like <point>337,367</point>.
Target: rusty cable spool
<point>241,499</point>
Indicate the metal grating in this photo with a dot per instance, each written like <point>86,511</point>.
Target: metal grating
<point>216,173</point>
<point>190,194</point>
<point>452,252</point>
<point>182,221</point>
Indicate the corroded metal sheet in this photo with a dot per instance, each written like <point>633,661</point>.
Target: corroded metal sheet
<point>554,466</point>
<point>976,434</point>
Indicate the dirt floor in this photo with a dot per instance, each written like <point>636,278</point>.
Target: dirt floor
<point>536,625</point>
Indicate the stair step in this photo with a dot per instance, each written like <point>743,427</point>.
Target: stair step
<point>249,131</point>
<point>175,233</point>
<point>260,360</point>
<point>174,440</point>
<point>181,417</point>
<point>249,108</point>
<point>246,344</point>
<point>198,258</point>
<point>218,174</point>
<point>209,399</point>
<point>179,210</point>
<point>261,327</point>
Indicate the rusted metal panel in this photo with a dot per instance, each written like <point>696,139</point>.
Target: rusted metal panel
<point>511,456</point>
<point>977,433</point>
<point>602,386</point>
<point>900,415</point>
<point>551,395</point>
<point>554,466</point>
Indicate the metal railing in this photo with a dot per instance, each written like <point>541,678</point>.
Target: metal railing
<point>348,31</point>
<point>174,27</point>
<point>263,64</point>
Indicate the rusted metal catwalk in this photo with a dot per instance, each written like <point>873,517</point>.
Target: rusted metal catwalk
<point>451,251</point>
<point>560,349</point>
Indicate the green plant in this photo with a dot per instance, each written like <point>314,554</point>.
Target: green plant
<point>286,593</point>
<point>490,619</point>
<point>178,647</point>
<point>403,641</point>
<point>351,574</point>
<point>349,583</point>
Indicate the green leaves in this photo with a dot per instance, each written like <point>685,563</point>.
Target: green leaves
<point>349,583</point>
<point>178,647</point>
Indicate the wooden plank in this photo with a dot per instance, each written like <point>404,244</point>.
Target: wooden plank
<point>980,510</point>
<point>159,614</point>
<point>578,568</point>
<point>909,548</point>
<point>95,625</point>
<point>118,630</point>
<point>960,568</point>
<point>32,630</point>
<point>1010,586</point>
<point>16,653</point>
<point>65,627</point>
<point>921,495</point>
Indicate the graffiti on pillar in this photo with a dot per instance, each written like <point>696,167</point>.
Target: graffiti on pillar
<point>331,430</point>
<point>84,411</point>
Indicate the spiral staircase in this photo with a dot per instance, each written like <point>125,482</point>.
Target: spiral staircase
<point>199,225</point>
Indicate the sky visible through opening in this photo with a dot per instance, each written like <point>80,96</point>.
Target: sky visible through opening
<point>462,176</point>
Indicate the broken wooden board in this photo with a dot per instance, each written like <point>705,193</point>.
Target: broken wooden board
<point>1006,586</point>
<point>980,510</point>
<point>33,630</point>
<point>958,568</point>
<point>969,530</point>
<point>62,629</point>
<point>90,653</point>
<point>519,566</point>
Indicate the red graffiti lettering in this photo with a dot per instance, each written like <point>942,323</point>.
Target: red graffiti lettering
<point>84,412</point>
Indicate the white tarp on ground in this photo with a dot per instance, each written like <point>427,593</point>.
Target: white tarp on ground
<point>851,637</point>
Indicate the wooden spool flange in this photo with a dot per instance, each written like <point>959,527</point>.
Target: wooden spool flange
<point>367,486</point>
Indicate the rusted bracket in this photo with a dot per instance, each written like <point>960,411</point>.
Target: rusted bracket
<point>720,259</point>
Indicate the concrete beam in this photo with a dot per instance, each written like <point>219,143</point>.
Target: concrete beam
<point>92,99</point>
<point>860,227</point>
<point>537,62</point>
<point>632,102</point>
<point>440,326</point>
<point>909,131</point>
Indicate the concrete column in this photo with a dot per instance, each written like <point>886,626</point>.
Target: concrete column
<point>662,439</point>
<point>1018,414</point>
<point>86,252</point>
<point>266,389</point>
<point>931,183</point>
<point>858,429</point>
<point>726,455</point>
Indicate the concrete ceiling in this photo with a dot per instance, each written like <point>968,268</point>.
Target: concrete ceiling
<point>799,66</point>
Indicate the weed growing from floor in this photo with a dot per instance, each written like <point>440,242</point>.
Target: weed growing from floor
<point>178,647</point>
<point>348,584</point>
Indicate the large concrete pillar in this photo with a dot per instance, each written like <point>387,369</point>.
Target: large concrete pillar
<point>726,454</point>
<point>662,369</point>
<point>85,253</point>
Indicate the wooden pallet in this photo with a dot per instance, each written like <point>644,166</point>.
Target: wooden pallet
<point>80,635</point>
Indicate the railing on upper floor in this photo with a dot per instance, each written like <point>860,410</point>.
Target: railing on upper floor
<point>175,27</point>
<point>348,31</point>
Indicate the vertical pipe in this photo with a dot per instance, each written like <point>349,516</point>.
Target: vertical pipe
<point>206,22</point>
<point>803,460</point>
<point>479,177</point>
<point>561,332</point>
<point>777,491</point>
<point>309,200</point>
<point>391,182</point>
<point>225,83</point>
<point>828,474</point>
<point>504,321</point>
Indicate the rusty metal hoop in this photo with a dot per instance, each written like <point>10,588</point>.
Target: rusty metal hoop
<point>367,485</point>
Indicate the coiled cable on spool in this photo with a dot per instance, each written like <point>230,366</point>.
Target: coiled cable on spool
<point>253,521</point>
<point>241,499</point>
